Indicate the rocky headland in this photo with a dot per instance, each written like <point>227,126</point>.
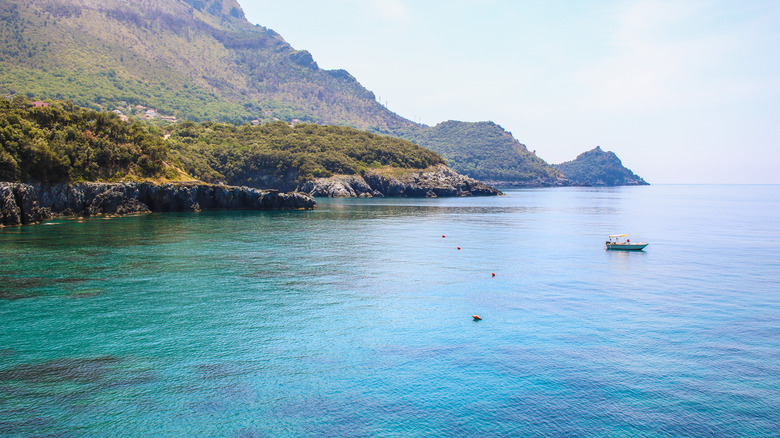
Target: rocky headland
<point>30,203</point>
<point>597,167</point>
<point>439,181</point>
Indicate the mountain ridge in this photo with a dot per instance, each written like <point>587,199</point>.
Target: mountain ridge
<point>150,53</point>
<point>201,60</point>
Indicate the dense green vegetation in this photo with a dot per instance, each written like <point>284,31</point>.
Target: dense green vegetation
<point>105,91</point>
<point>597,167</point>
<point>483,150</point>
<point>63,142</point>
<point>240,154</point>
<point>66,143</point>
<point>201,60</point>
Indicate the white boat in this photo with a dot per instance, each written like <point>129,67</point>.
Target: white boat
<point>622,242</point>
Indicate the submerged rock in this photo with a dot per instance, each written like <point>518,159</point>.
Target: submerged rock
<point>29,203</point>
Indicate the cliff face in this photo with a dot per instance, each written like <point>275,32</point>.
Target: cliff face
<point>440,181</point>
<point>30,203</point>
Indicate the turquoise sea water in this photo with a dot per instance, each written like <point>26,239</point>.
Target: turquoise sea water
<point>355,319</point>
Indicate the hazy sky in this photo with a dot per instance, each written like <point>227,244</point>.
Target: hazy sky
<point>683,91</point>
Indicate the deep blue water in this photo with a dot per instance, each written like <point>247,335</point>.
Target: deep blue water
<point>355,319</point>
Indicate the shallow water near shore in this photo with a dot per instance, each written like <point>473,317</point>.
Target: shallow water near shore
<point>355,319</point>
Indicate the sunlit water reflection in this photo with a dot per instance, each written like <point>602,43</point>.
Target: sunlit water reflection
<point>355,319</point>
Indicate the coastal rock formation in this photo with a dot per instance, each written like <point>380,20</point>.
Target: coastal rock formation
<point>29,203</point>
<point>432,183</point>
<point>597,167</point>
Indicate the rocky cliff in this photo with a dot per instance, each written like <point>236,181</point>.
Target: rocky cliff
<point>29,203</point>
<point>437,181</point>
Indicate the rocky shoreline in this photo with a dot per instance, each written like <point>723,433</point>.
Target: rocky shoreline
<point>440,181</point>
<point>22,203</point>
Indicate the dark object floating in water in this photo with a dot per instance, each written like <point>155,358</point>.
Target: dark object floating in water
<point>476,317</point>
<point>459,248</point>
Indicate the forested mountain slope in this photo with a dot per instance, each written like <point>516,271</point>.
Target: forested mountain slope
<point>167,61</point>
<point>194,59</point>
<point>59,142</point>
<point>485,151</point>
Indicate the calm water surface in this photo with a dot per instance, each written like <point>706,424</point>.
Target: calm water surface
<point>355,319</point>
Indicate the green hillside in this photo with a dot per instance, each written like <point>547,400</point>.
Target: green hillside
<point>167,61</point>
<point>57,141</point>
<point>195,60</point>
<point>279,155</point>
<point>484,151</point>
<point>599,168</point>
<point>63,142</point>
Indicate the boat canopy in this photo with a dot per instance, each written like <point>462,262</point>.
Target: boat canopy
<point>618,235</point>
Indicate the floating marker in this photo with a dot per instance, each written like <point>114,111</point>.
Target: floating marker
<point>476,317</point>
<point>494,274</point>
<point>458,248</point>
<point>443,236</point>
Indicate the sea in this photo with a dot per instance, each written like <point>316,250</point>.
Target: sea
<point>356,319</point>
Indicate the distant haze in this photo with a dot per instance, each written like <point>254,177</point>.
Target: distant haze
<point>682,92</point>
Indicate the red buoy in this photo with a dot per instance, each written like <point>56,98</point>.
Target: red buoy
<point>443,236</point>
<point>494,274</point>
<point>458,248</point>
<point>476,317</point>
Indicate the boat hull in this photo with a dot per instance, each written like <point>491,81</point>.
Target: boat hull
<point>626,246</point>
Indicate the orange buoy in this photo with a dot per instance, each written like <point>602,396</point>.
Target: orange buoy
<point>476,317</point>
<point>494,274</point>
<point>443,236</point>
<point>458,247</point>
